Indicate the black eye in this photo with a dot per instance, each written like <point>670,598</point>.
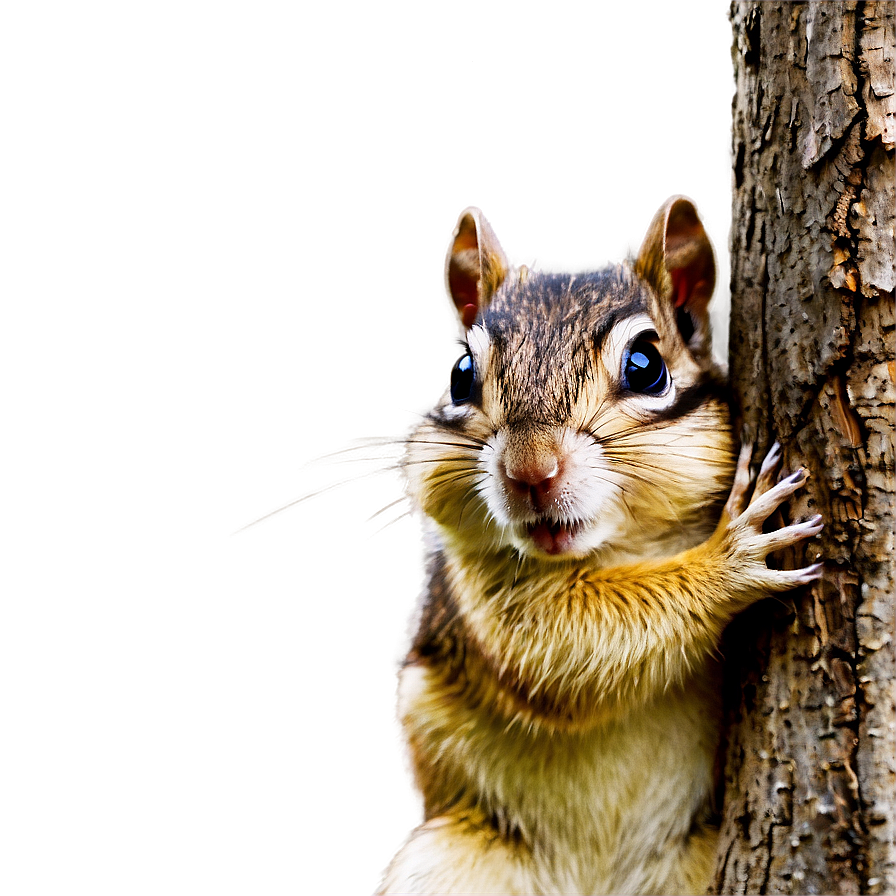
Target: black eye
<point>463,380</point>
<point>645,371</point>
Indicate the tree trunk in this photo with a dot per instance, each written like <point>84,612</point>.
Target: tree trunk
<point>809,771</point>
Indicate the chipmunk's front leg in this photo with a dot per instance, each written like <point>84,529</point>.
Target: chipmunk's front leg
<point>607,639</point>
<point>689,600</point>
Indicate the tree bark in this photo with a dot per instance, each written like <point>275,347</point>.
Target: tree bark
<point>809,776</point>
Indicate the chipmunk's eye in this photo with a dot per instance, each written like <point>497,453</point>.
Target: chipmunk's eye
<point>645,371</point>
<point>463,380</point>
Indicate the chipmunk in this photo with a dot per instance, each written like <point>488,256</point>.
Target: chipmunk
<point>561,695</point>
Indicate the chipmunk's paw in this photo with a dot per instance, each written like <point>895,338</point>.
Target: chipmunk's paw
<point>750,545</point>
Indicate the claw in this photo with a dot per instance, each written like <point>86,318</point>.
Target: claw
<point>737,499</point>
<point>772,459</point>
<point>766,478</point>
<point>763,505</point>
<point>808,574</point>
<point>785,579</point>
<point>788,536</point>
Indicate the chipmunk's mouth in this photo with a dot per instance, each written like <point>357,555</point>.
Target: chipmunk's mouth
<point>553,537</point>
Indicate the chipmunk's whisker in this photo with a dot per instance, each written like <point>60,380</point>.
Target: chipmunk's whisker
<point>394,467</point>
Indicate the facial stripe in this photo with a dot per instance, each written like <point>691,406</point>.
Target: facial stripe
<point>693,397</point>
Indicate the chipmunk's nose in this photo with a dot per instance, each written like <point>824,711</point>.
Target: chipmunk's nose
<point>532,475</point>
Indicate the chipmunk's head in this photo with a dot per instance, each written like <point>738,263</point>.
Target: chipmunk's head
<point>585,413</point>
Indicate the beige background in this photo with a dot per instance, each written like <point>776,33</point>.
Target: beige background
<point>223,235</point>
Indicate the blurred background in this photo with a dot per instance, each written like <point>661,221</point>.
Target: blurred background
<point>223,234</point>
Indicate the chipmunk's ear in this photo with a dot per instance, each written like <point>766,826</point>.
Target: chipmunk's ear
<point>676,260</point>
<point>475,266</point>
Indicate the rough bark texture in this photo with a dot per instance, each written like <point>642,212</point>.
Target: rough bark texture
<point>809,776</point>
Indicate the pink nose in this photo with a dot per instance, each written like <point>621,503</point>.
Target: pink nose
<point>533,476</point>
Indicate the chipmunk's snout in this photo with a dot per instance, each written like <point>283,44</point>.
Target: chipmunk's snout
<point>541,487</point>
<point>537,490</point>
<point>535,479</point>
<point>531,472</point>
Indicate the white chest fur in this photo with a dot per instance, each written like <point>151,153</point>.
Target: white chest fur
<point>609,810</point>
